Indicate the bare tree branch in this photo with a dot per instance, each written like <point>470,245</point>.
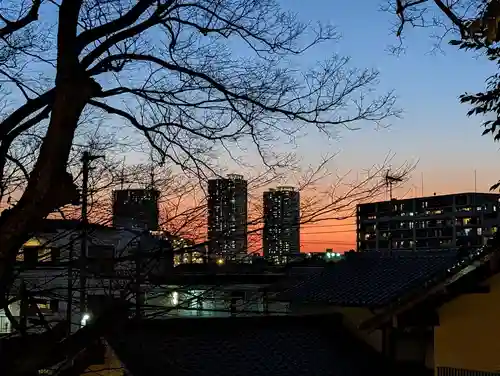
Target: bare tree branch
<point>11,27</point>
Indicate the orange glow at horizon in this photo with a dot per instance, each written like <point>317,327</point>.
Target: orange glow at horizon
<point>339,235</point>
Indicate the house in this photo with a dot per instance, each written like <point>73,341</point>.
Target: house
<point>223,290</point>
<point>48,264</point>
<point>433,309</point>
<point>464,306</point>
<point>247,346</point>
<point>204,290</point>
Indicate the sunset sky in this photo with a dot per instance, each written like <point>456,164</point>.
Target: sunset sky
<point>434,130</point>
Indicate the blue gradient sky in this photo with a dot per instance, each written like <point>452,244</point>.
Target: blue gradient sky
<point>435,128</point>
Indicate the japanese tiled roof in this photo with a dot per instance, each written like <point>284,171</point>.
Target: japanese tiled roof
<point>371,279</point>
<point>294,275</point>
<point>247,346</point>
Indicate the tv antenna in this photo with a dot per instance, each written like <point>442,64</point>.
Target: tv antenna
<point>390,180</point>
<point>152,175</point>
<point>122,176</point>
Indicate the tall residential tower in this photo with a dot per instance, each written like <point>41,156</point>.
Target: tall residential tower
<point>281,235</point>
<point>227,217</point>
<point>136,208</point>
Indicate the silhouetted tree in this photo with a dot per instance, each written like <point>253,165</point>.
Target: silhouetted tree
<point>192,78</point>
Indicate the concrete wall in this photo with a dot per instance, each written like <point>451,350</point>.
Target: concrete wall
<point>468,336</point>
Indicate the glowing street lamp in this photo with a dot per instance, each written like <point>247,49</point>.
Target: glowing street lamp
<point>85,318</point>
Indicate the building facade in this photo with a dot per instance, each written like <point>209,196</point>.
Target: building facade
<point>136,209</point>
<point>49,259</point>
<point>281,234</point>
<point>425,223</point>
<point>227,217</point>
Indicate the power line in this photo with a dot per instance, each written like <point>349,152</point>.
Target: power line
<point>328,232</point>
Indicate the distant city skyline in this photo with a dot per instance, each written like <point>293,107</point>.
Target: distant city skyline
<point>339,236</point>
<point>434,128</point>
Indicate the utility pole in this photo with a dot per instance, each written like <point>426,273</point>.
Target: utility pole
<point>86,159</point>
<point>138,282</point>
<point>69,304</point>
<point>23,311</point>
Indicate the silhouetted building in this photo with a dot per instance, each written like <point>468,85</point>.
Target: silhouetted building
<point>136,208</point>
<point>428,223</point>
<point>281,235</point>
<point>227,217</point>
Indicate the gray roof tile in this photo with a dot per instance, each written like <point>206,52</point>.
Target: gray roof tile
<point>277,346</point>
<point>370,278</point>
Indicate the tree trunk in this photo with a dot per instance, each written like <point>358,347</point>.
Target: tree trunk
<point>48,186</point>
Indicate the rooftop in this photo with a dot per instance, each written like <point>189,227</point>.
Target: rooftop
<point>483,194</point>
<point>370,279</point>
<point>277,346</point>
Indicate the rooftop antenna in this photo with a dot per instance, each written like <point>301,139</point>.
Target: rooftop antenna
<point>122,177</point>
<point>475,181</point>
<point>152,180</point>
<point>422,182</point>
<point>390,180</point>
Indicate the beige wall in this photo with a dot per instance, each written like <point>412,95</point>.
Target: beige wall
<point>469,333</point>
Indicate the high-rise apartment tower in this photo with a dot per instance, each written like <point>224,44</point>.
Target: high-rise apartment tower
<point>227,217</point>
<point>281,235</point>
<point>136,209</point>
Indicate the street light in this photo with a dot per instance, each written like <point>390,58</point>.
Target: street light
<point>85,318</point>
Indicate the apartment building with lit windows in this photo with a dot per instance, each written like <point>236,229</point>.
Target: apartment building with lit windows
<point>281,233</point>
<point>227,217</point>
<point>136,209</point>
<point>428,223</point>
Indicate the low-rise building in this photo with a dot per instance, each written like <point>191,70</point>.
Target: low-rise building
<point>428,223</point>
<point>49,267</point>
<point>213,290</point>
